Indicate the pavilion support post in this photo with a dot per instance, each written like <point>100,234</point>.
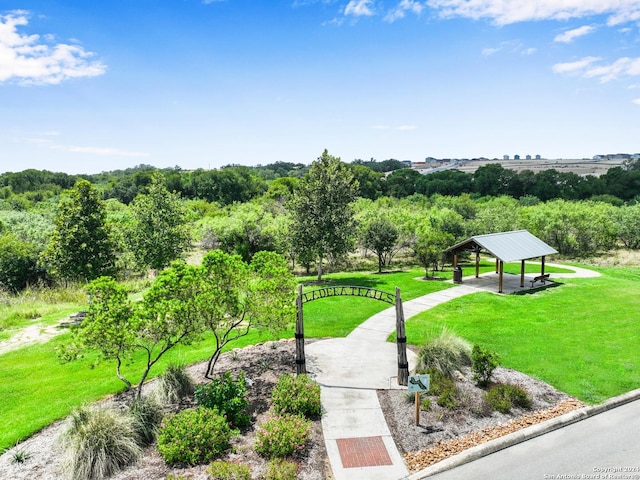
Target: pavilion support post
<point>542,265</point>
<point>455,260</point>
<point>477,263</point>
<point>497,265</point>
<point>500,276</point>
<point>300,359</point>
<point>401,341</point>
<point>522,274</point>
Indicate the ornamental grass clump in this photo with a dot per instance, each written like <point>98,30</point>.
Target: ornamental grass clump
<point>283,436</point>
<point>445,353</point>
<point>297,395</point>
<point>174,384</point>
<point>147,415</point>
<point>193,436</point>
<point>99,442</point>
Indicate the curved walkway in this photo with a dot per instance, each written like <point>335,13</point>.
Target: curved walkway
<point>350,370</point>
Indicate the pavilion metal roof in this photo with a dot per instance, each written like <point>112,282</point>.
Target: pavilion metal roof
<point>507,246</point>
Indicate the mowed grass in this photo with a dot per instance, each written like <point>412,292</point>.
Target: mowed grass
<point>36,389</point>
<point>582,337</point>
<point>338,316</point>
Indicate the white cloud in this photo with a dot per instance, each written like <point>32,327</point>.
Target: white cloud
<point>574,67</point>
<point>406,127</point>
<point>513,46</point>
<point>570,35</point>
<point>622,67</point>
<point>98,151</point>
<point>402,8</point>
<point>636,101</point>
<point>32,60</point>
<point>359,8</point>
<point>504,12</point>
<point>487,52</point>
<point>585,67</point>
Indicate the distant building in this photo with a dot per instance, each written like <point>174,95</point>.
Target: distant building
<point>505,157</point>
<point>538,157</point>
<point>516,157</point>
<point>528,157</point>
<point>407,163</point>
<point>635,156</point>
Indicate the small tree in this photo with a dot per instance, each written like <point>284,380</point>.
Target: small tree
<point>240,297</point>
<point>18,264</point>
<point>158,234</point>
<point>166,317</point>
<point>380,237</point>
<point>429,245</point>
<point>81,245</point>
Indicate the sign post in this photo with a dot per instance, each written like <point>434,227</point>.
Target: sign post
<point>418,384</point>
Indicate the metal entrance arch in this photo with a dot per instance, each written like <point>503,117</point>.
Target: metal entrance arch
<point>354,291</point>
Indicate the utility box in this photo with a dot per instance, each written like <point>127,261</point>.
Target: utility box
<point>457,275</point>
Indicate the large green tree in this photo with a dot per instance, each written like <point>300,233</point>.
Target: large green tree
<point>322,216</point>
<point>81,245</point>
<point>159,232</point>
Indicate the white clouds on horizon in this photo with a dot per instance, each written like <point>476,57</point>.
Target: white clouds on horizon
<point>570,35</point>
<point>98,151</point>
<point>508,12</point>
<point>586,68</point>
<point>36,60</point>
<point>399,127</point>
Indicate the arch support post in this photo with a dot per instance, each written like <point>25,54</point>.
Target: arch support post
<point>401,341</point>
<point>300,359</point>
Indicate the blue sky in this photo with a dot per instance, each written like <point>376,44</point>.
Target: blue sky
<point>94,85</point>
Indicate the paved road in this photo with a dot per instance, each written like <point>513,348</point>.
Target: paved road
<point>605,446</point>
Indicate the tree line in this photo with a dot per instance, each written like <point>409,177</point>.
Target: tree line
<point>317,220</point>
<point>376,179</point>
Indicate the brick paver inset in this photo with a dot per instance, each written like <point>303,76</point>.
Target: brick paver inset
<point>363,452</point>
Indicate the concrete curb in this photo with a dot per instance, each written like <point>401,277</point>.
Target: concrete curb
<point>525,434</point>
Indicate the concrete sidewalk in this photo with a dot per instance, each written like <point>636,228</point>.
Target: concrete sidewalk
<point>350,370</point>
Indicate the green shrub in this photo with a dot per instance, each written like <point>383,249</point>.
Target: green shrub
<point>483,363</point>
<point>228,396</point>
<point>438,382</point>
<point>281,469</point>
<point>503,397</point>
<point>297,395</point>
<point>282,436</point>
<point>99,442</point>
<point>193,436</point>
<point>449,399</point>
<point>147,415</point>
<point>425,404</point>
<point>222,470</point>
<point>174,384</point>
<point>445,353</point>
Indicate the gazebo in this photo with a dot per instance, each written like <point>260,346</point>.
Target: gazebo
<point>519,245</point>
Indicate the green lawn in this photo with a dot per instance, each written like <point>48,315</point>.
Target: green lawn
<point>582,337</point>
<point>36,389</point>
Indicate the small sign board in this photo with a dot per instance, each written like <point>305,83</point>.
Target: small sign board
<point>418,383</point>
